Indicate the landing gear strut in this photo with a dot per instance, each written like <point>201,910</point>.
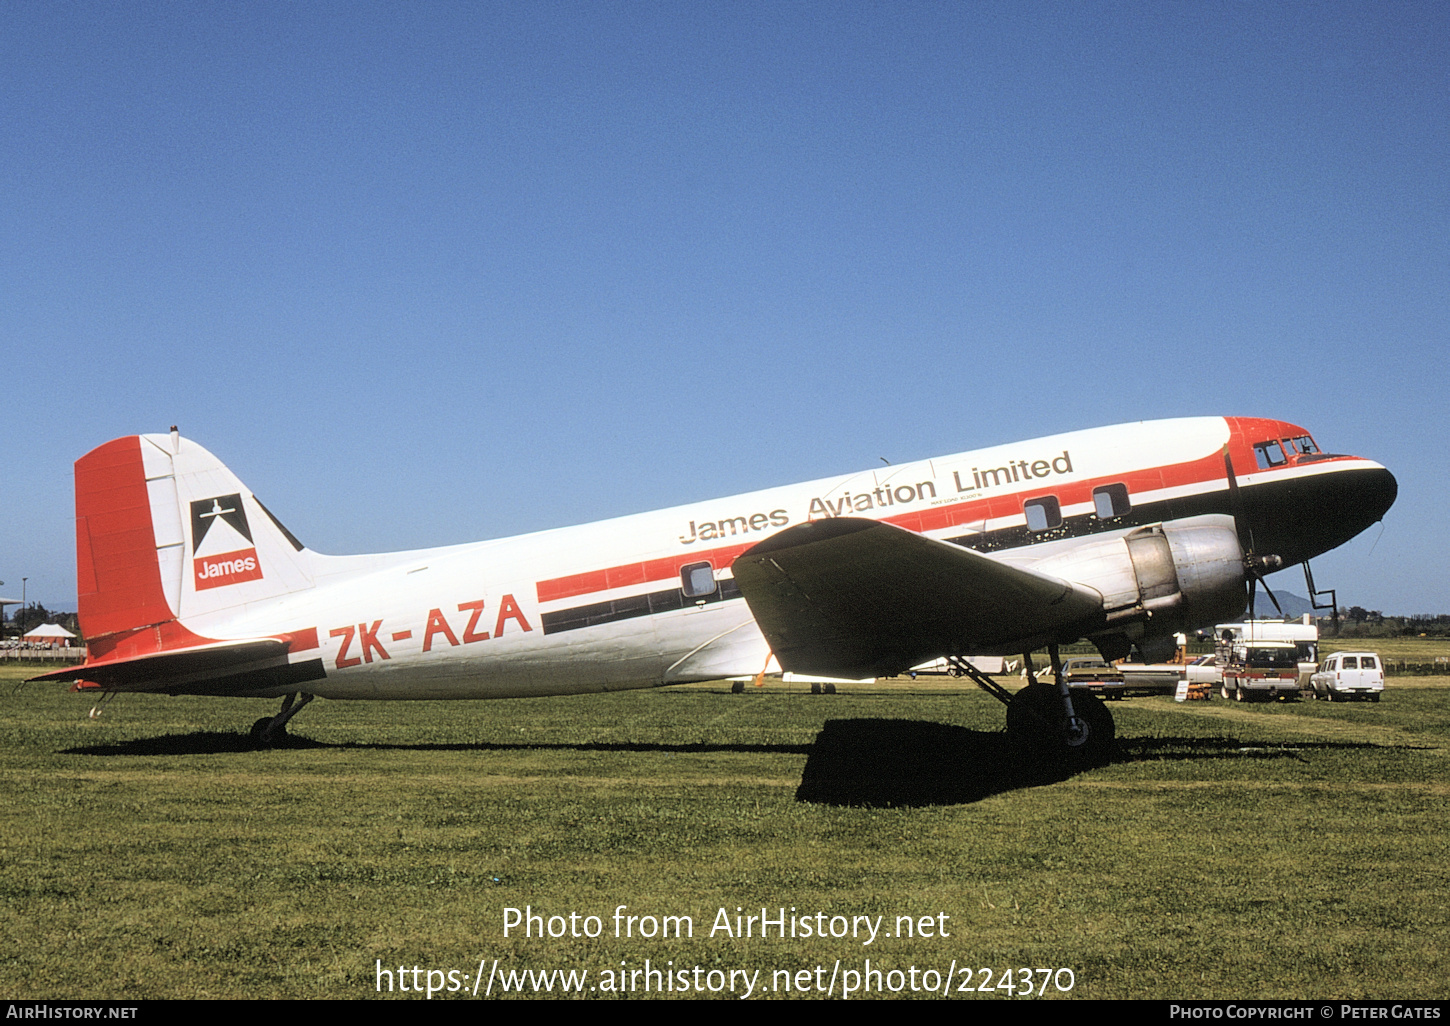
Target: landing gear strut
<point>270,731</point>
<point>1051,728</point>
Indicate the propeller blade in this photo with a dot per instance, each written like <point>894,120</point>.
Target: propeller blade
<point>1252,563</point>
<point>1236,505</point>
<point>1270,592</point>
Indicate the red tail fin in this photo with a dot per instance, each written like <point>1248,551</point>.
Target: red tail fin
<point>118,576</point>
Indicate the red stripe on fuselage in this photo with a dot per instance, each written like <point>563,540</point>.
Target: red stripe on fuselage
<point>1244,432</point>
<point>635,573</point>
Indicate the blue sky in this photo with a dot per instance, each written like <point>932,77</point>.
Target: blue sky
<point>429,273</point>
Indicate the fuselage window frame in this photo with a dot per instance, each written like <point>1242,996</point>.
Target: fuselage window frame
<point>1111,501</point>
<point>693,577</point>
<point>1043,513</point>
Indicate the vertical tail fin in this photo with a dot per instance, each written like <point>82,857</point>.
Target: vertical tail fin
<point>165,532</point>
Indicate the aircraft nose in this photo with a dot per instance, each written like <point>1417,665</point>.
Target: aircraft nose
<point>1374,492</point>
<point>1354,500</point>
<point>1323,511</point>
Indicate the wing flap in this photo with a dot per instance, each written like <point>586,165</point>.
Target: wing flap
<point>848,597</point>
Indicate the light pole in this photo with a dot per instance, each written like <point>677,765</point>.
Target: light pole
<point>20,627</point>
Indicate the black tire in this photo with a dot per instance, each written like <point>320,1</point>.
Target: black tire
<point>1037,728</point>
<point>258,729</point>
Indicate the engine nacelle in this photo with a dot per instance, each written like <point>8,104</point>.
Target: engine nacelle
<point>1159,579</point>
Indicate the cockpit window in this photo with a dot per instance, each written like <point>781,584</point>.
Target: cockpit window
<point>1304,445</point>
<point>1270,454</point>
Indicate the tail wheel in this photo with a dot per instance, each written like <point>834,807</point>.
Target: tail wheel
<point>263,738</point>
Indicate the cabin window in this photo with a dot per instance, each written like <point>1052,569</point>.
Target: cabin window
<point>1042,513</point>
<point>1270,454</point>
<point>1367,663</point>
<point>697,580</point>
<point>1350,663</point>
<point>1304,445</point>
<point>1111,501</point>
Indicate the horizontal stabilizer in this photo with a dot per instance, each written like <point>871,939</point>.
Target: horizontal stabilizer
<point>224,668</point>
<point>848,597</point>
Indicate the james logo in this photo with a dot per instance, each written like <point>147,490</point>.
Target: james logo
<point>213,571</point>
<point>227,568</point>
<point>206,512</point>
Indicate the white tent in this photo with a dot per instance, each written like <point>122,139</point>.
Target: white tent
<point>48,632</point>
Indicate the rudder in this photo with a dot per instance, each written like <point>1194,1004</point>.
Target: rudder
<point>164,531</point>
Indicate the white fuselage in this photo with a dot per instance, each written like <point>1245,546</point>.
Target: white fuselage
<point>601,607</point>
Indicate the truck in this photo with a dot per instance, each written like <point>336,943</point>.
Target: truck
<point>1302,633</point>
<point>1255,667</point>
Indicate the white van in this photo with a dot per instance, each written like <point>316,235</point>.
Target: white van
<point>1346,675</point>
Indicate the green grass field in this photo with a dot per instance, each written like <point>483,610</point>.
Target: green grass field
<point>1230,851</point>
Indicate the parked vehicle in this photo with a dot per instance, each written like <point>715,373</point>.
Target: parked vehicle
<point>1089,673</point>
<point>1151,678</point>
<point>1346,675</point>
<point>1204,670</point>
<point>1255,670</point>
<point>1303,633</point>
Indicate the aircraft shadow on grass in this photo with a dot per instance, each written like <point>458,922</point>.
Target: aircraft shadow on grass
<point>875,762</point>
<point>213,742</point>
<point>852,762</point>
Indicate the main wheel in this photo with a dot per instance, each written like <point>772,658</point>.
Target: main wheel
<point>1038,728</point>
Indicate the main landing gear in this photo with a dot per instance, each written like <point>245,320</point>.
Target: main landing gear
<point>271,731</point>
<point>1051,729</point>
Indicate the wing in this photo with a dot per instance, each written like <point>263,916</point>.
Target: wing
<point>856,598</point>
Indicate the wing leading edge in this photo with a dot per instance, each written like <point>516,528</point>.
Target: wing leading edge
<point>853,598</point>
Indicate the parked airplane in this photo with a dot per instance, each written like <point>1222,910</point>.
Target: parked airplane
<point>1123,535</point>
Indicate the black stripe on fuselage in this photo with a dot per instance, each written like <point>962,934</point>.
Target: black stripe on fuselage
<point>1083,525</point>
<point>628,608</point>
<point>1306,520</point>
<point>1296,517</point>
